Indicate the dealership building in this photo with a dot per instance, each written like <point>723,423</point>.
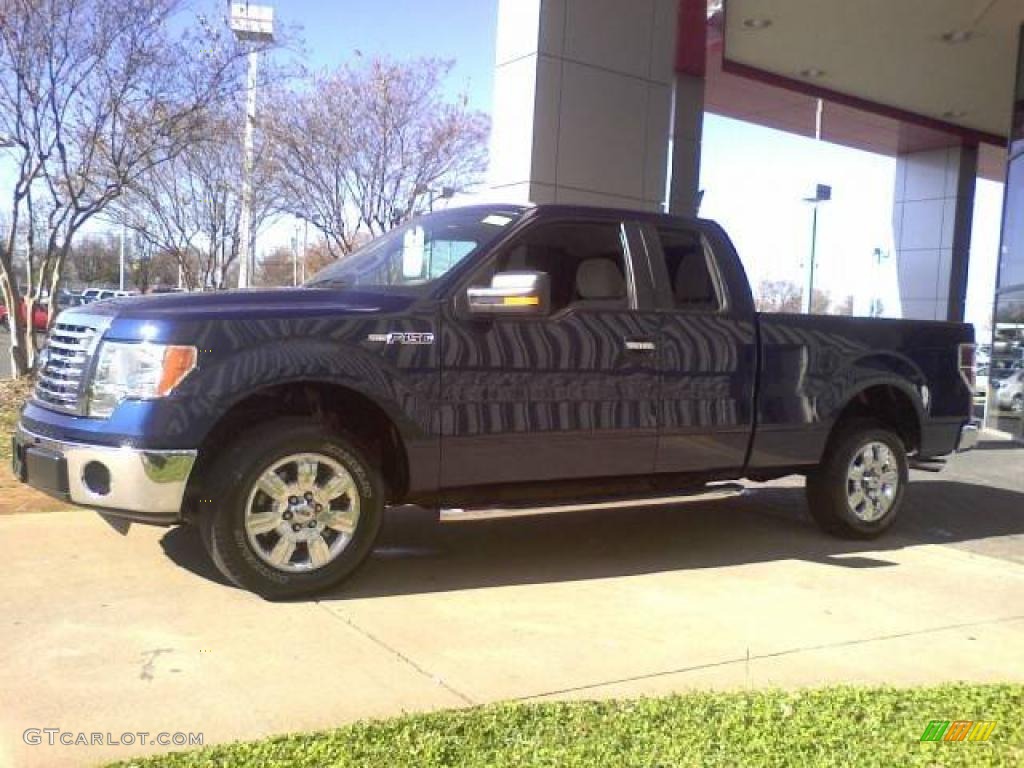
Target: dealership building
<point>602,102</point>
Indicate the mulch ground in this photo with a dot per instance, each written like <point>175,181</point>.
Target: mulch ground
<point>15,497</point>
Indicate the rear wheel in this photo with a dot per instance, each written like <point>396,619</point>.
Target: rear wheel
<point>857,490</point>
<point>292,509</point>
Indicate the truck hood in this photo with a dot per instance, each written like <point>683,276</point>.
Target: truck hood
<point>244,304</point>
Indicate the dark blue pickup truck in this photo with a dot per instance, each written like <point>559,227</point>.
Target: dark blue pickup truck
<point>486,361</point>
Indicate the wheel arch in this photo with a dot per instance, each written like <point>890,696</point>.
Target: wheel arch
<point>345,409</point>
<point>892,403</point>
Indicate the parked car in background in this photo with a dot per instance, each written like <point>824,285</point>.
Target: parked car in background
<point>165,289</point>
<point>1010,392</point>
<point>40,316</point>
<point>66,299</point>
<point>981,381</point>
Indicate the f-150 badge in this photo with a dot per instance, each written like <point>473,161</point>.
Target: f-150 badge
<point>402,338</point>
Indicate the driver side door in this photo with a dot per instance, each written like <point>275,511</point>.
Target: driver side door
<point>572,394</point>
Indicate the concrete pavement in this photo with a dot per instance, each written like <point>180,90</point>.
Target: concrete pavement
<point>110,634</point>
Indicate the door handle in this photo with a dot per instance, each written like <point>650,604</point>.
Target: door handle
<point>640,345</point>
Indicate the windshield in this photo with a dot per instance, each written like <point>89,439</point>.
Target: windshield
<point>418,252</point>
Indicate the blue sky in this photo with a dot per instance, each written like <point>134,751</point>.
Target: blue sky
<point>460,30</point>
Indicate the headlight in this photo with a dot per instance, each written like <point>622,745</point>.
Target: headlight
<point>136,371</point>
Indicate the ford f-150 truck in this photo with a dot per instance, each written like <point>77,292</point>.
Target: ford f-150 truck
<point>485,361</point>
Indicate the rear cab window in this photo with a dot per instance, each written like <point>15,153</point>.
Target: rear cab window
<point>684,262</point>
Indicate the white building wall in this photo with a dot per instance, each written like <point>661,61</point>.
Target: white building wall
<point>582,101</point>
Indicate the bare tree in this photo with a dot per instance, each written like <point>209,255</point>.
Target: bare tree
<point>190,206</point>
<point>778,296</point>
<point>94,260</point>
<point>277,268</point>
<point>93,94</point>
<point>151,267</point>
<point>366,146</point>
<point>845,307</point>
<point>821,302</point>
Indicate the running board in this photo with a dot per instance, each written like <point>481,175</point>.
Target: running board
<point>712,492</point>
<point>936,464</point>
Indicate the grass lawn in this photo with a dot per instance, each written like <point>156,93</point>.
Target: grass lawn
<point>849,727</point>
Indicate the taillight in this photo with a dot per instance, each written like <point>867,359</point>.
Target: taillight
<point>965,361</point>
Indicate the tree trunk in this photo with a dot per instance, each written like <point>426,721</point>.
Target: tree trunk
<point>12,298</point>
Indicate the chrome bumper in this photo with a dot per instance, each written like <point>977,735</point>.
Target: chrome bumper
<point>968,437</point>
<point>150,483</point>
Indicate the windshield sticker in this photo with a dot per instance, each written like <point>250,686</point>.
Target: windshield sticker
<point>497,220</point>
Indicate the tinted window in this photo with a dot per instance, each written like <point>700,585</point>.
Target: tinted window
<point>689,266</point>
<point>585,262</point>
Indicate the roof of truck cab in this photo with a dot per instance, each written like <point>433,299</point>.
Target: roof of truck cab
<point>597,211</point>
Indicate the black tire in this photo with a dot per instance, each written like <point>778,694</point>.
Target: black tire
<point>829,486</point>
<point>223,508</point>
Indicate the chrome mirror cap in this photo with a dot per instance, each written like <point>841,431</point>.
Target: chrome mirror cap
<point>512,293</point>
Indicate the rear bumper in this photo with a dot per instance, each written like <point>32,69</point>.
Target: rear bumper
<point>142,485</point>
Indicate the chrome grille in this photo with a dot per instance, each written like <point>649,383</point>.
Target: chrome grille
<point>69,349</point>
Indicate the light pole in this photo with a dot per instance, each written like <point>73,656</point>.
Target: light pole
<point>305,246</point>
<point>295,256</point>
<point>251,24</point>
<point>822,194</point>
<point>124,230</point>
<point>445,193</point>
<point>876,303</point>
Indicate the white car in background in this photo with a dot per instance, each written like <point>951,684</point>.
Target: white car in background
<point>1010,393</point>
<point>90,295</point>
<point>981,381</point>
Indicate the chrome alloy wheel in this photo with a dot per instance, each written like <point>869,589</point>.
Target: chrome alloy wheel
<point>872,481</point>
<point>302,512</point>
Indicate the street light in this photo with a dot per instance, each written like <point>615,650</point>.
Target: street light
<point>822,194</point>
<point>444,193</point>
<point>251,24</point>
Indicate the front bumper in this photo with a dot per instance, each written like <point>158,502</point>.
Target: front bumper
<point>968,437</point>
<point>141,485</point>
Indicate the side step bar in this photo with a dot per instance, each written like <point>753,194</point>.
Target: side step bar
<point>711,492</point>
<point>936,464</point>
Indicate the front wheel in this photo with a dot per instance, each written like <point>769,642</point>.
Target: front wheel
<point>293,509</point>
<point>857,490</point>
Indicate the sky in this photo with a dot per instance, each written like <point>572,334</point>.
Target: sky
<point>754,178</point>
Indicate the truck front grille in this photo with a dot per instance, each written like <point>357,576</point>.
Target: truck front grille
<point>69,350</point>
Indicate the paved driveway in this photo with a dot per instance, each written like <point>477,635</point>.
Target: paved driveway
<point>109,634</point>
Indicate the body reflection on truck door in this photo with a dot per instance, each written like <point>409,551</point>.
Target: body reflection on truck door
<point>708,356</point>
<point>528,399</point>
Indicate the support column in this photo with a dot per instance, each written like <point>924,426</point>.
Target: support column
<point>687,126</point>
<point>582,101</point>
<point>932,213</point>
<point>683,193</point>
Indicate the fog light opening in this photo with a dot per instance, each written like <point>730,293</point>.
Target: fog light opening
<point>96,478</point>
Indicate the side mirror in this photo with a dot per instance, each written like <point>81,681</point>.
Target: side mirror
<point>512,293</point>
